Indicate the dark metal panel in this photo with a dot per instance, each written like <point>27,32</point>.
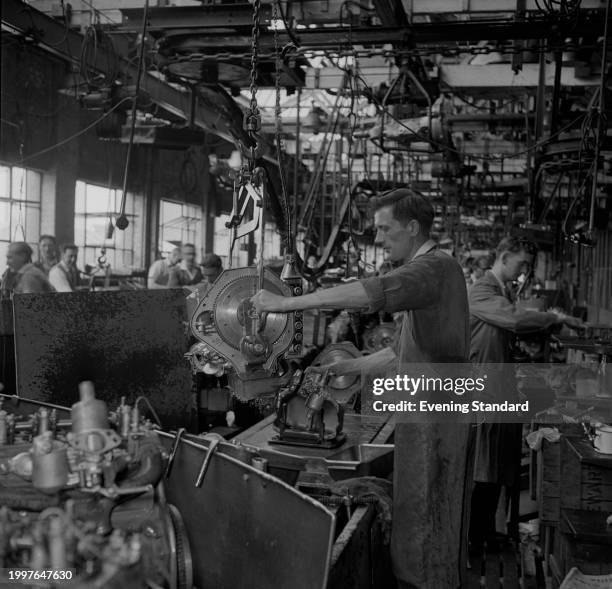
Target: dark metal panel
<point>246,528</point>
<point>128,343</point>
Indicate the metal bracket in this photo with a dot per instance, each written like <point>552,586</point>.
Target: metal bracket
<point>175,445</point>
<point>212,447</point>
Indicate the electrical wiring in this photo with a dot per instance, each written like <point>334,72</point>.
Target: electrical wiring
<point>288,29</point>
<point>122,222</point>
<point>78,134</point>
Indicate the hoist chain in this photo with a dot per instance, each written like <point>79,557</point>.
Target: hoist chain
<point>277,74</point>
<point>252,119</point>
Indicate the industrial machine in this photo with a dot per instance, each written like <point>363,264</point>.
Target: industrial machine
<point>314,399</point>
<point>251,345</point>
<point>253,348</point>
<point>83,500</point>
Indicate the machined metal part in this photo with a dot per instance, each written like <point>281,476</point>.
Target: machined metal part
<point>181,550</point>
<point>226,322</point>
<point>212,447</point>
<point>341,388</point>
<point>379,337</point>
<point>177,440</point>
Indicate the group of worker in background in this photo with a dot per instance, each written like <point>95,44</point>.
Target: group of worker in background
<point>56,269</point>
<point>180,269</point>
<point>53,272</point>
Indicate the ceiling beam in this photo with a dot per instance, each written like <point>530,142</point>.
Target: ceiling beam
<point>185,19</point>
<point>43,31</point>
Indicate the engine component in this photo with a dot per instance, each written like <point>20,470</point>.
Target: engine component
<point>379,337</point>
<point>95,504</point>
<point>302,409</point>
<point>226,322</point>
<point>344,387</point>
<point>49,464</point>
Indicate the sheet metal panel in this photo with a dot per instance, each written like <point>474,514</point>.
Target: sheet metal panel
<point>127,343</point>
<point>247,529</point>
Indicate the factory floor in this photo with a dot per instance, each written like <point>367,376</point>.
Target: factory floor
<point>506,568</point>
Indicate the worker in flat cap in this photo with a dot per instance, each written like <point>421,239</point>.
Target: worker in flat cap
<point>22,276</point>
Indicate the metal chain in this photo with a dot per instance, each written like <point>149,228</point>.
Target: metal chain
<point>445,51</point>
<point>277,75</point>
<point>252,119</point>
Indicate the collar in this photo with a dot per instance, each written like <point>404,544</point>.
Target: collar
<point>501,284</point>
<point>425,248</point>
<point>66,267</point>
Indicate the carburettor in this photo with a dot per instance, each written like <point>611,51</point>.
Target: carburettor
<point>87,495</point>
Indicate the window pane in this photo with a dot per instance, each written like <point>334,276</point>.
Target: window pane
<point>79,230</point>
<point>17,222</point>
<point>98,199</point>
<point>33,182</point>
<point>169,211</point>
<point>88,257</point>
<point>95,230</point>
<point>18,185</point>
<point>32,222</point>
<point>5,221</point>
<point>5,182</point>
<point>79,196</point>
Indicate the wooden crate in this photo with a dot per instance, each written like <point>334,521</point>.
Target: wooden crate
<point>586,477</point>
<point>549,475</point>
<point>586,542</point>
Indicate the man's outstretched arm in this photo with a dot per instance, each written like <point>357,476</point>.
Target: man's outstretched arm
<point>345,296</point>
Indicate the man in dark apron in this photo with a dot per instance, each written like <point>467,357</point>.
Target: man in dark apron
<point>430,458</point>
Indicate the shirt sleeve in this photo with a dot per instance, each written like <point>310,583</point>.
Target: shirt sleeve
<point>491,307</point>
<point>154,273</point>
<point>174,279</point>
<point>59,280</point>
<point>413,286</point>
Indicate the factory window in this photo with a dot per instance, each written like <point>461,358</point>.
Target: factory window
<point>20,195</point>
<point>179,223</point>
<point>272,243</point>
<point>94,207</point>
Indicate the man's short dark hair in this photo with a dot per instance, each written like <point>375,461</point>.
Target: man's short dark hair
<point>188,245</point>
<point>69,246</point>
<point>211,261</point>
<point>514,245</point>
<point>51,237</point>
<point>408,205</point>
<point>21,247</point>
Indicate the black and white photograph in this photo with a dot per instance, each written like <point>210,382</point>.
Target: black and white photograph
<point>306,294</point>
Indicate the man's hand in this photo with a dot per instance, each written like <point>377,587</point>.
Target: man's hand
<point>573,322</point>
<point>269,302</point>
<point>338,368</point>
<point>568,320</point>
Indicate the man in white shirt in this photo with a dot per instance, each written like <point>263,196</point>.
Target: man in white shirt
<point>159,272</point>
<point>64,276</point>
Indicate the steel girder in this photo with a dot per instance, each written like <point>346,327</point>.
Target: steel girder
<point>213,114</point>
